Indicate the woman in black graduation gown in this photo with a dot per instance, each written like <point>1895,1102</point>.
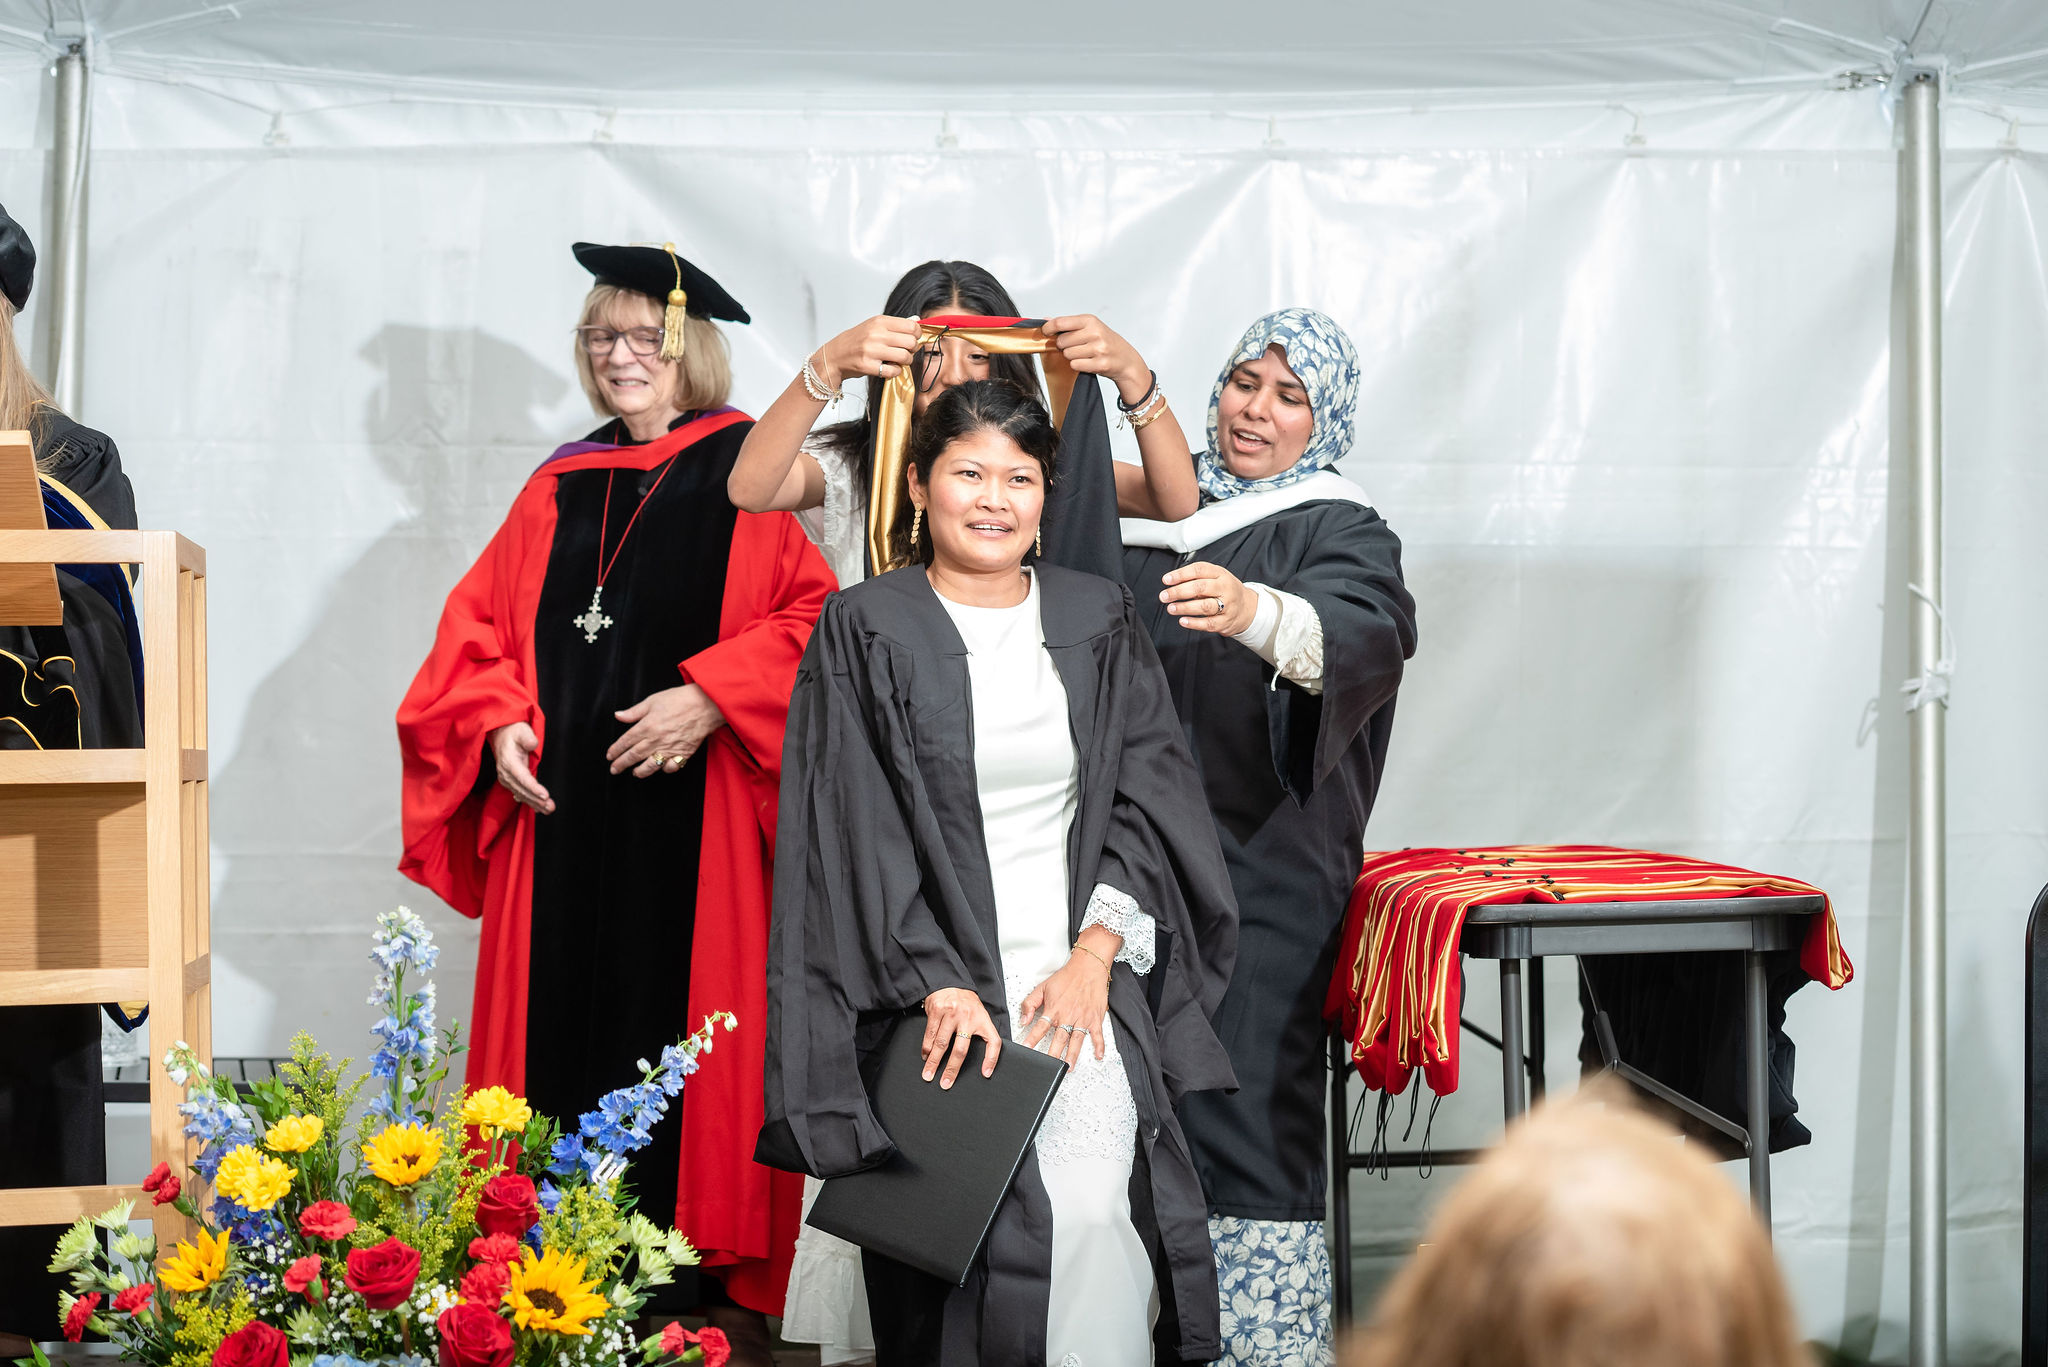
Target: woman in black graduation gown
<point>72,686</point>
<point>988,815</point>
<point>1282,622</point>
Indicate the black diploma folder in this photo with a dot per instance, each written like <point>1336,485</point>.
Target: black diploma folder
<point>957,1151</point>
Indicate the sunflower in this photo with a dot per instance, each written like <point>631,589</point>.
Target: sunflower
<point>197,1265</point>
<point>548,1292</point>
<point>251,1180</point>
<point>403,1154</point>
<point>294,1134</point>
<point>496,1111</point>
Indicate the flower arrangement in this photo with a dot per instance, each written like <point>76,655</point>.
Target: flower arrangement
<point>442,1226</point>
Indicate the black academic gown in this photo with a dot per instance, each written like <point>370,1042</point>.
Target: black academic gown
<point>61,688</point>
<point>883,896</point>
<point>1290,778</point>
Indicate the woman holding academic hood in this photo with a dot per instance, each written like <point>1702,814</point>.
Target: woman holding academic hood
<point>1282,622</point>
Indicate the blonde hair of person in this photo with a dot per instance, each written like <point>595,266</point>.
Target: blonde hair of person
<point>22,396</point>
<point>705,380</point>
<point>1591,1237</point>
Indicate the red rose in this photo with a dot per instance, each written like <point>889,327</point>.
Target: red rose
<point>255,1344</point>
<point>507,1205</point>
<point>486,1284</point>
<point>81,1311</point>
<point>474,1335</point>
<point>383,1276</point>
<point>494,1248</point>
<point>134,1298</point>
<point>717,1350</point>
<point>167,1191</point>
<point>327,1220</point>
<point>156,1177</point>
<point>302,1274</point>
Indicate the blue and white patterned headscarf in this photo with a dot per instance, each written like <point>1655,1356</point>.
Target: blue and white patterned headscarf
<point>1323,359</point>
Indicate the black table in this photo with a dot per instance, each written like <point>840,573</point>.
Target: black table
<point>1528,932</point>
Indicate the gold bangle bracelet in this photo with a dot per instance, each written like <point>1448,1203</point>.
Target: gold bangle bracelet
<point>1097,957</point>
<point>1139,424</point>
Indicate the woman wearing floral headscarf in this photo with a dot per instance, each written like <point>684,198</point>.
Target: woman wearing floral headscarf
<point>1281,618</point>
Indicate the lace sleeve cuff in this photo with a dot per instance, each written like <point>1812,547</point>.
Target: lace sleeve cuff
<point>1119,912</point>
<point>1298,642</point>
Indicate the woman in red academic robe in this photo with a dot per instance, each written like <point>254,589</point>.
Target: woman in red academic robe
<point>592,753</point>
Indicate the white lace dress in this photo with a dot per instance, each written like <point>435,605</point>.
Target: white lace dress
<point>1104,1299</point>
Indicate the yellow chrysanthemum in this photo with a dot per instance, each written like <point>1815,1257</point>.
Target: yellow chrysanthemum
<point>548,1292</point>
<point>496,1111</point>
<point>252,1180</point>
<point>403,1154</point>
<point>294,1134</point>
<point>197,1265</point>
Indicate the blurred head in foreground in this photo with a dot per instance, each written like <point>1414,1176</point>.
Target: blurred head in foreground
<point>1590,1238</point>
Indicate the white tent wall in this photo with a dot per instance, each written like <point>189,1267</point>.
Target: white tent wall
<point>1627,405</point>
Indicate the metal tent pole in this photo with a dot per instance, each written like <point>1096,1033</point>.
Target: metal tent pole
<point>67,267</point>
<point>1920,219</point>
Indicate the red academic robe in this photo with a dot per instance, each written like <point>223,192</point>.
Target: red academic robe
<point>476,851</point>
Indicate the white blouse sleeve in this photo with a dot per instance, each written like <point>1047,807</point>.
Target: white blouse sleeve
<point>1119,913</point>
<point>1287,634</point>
<point>836,527</point>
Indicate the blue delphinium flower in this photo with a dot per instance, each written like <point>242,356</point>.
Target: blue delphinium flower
<point>222,1126</point>
<point>405,1034</point>
<point>624,1119</point>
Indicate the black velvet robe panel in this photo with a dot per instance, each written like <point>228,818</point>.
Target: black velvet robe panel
<point>883,896</point>
<point>70,687</point>
<point>1290,778</point>
<point>615,865</point>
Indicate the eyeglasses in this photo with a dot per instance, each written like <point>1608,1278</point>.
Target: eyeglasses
<point>600,341</point>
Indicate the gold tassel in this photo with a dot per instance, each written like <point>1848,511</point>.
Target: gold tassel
<point>672,325</point>
<point>677,312</point>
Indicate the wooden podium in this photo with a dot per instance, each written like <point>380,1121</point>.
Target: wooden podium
<point>103,853</point>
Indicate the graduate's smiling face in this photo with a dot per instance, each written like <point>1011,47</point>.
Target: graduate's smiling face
<point>634,384</point>
<point>1263,420</point>
<point>981,504</point>
<point>940,365</point>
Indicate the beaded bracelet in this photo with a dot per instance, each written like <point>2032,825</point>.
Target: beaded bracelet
<point>1140,421</point>
<point>814,385</point>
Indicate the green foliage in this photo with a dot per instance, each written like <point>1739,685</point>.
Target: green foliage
<point>201,1327</point>
<point>537,1147</point>
<point>311,1083</point>
<point>588,1226</point>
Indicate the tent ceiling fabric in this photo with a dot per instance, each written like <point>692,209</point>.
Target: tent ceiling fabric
<point>655,53</point>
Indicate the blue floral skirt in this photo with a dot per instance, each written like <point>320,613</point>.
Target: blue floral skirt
<point>1274,1280</point>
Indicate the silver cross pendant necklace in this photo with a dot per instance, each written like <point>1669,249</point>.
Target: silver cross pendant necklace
<point>592,619</point>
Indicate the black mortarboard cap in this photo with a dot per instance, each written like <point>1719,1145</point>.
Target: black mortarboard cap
<point>17,261</point>
<point>655,271</point>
